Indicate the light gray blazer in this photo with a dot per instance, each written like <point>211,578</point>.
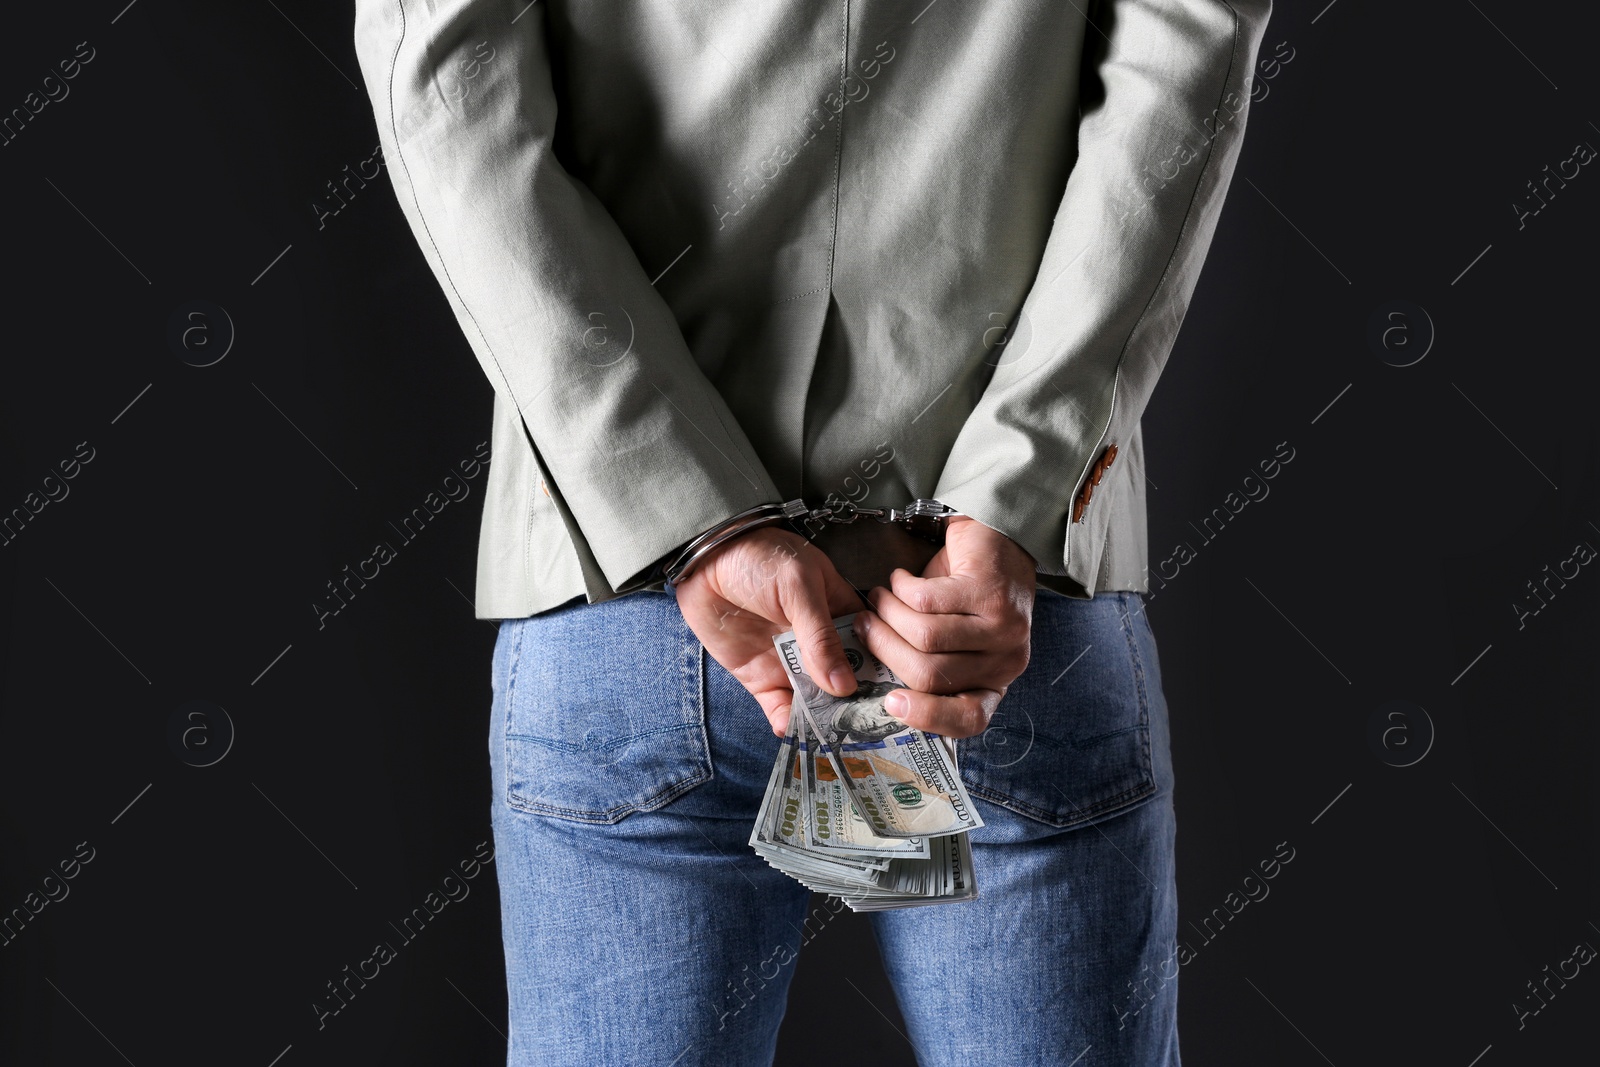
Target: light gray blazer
<point>715,253</point>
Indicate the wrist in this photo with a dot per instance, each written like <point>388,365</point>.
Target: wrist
<point>1011,542</point>
<point>697,551</point>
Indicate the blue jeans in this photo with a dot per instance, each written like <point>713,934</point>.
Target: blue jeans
<point>640,928</point>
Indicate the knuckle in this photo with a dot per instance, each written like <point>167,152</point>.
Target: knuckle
<point>969,719</point>
<point>818,636</point>
<point>972,722</point>
<point>924,634</point>
<point>980,710</point>
<point>994,601</point>
<point>1019,627</point>
<point>923,678</point>
<point>914,677</point>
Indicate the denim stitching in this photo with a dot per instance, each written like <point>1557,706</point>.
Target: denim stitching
<point>693,684</point>
<point>616,814</point>
<point>553,745</point>
<point>691,688</point>
<point>1087,813</point>
<point>1080,815</point>
<point>510,699</point>
<point>1139,686</point>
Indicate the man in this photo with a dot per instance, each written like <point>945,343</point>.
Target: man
<point>719,254</point>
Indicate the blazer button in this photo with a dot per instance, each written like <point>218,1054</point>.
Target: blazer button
<point>1102,464</point>
<point>1084,496</point>
<point>1096,473</point>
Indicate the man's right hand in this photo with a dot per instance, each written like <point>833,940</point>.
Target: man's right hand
<point>755,587</point>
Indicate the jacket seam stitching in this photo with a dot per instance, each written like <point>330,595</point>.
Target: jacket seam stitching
<point>394,61</point>
<point>833,226</point>
<point>802,296</point>
<point>838,137</point>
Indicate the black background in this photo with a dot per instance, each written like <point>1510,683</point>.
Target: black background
<point>1382,164</point>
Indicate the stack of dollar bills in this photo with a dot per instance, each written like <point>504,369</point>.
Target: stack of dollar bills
<point>861,806</point>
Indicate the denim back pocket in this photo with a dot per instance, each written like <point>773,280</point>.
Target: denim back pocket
<point>605,710</point>
<point>1070,743</point>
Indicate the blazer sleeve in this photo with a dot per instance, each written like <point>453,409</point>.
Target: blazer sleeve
<point>637,446</point>
<point>1165,88</point>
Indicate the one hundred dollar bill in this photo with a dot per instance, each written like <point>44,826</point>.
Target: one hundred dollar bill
<point>903,781</point>
<point>948,879</point>
<point>780,831</point>
<point>833,823</point>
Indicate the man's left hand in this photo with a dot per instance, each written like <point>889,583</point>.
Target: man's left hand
<point>958,636</point>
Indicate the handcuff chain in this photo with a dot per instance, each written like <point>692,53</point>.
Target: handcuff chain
<point>921,518</point>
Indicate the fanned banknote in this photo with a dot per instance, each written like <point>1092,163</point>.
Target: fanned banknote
<point>833,824</point>
<point>812,827</point>
<point>780,831</point>
<point>902,780</point>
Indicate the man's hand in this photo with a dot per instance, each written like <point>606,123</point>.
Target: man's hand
<point>756,586</point>
<point>959,635</point>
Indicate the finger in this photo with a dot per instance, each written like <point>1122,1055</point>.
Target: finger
<point>932,633</point>
<point>958,715</point>
<point>939,565</point>
<point>776,699</point>
<point>765,678</point>
<point>939,672</point>
<point>776,706</point>
<point>941,595</point>
<point>805,607</point>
